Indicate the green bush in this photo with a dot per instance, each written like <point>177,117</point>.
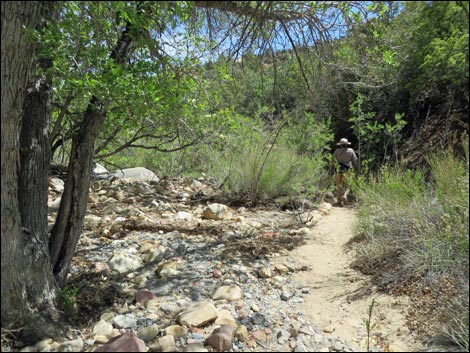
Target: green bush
<point>390,202</point>
<point>416,231</point>
<point>255,169</point>
<point>445,230</point>
<point>68,295</point>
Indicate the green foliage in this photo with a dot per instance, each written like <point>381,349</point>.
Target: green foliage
<point>210,135</point>
<point>367,131</point>
<point>394,136</point>
<point>447,60</point>
<point>68,295</point>
<point>386,198</point>
<point>451,184</point>
<point>375,138</point>
<point>257,166</point>
<point>254,179</point>
<point>368,323</point>
<point>369,56</point>
<point>402,61</point>
<point>309,134</point>
<point>163,98</point>
<point>445,56</point>
<point>437,50</point>
<point>394,184</point>
<point>151,96</point>
<point>452,192</point>
<point>457,320</point>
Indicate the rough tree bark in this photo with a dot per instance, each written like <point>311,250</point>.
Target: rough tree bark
<point>67,229</point>
<point>28,290</point>
<point>35,159</point>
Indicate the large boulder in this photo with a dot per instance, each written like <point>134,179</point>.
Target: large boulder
<point>136,173</point>
<point>99,169</point>
<point>99,172</point>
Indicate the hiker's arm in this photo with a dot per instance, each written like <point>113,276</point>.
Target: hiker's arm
<point>355,161</point>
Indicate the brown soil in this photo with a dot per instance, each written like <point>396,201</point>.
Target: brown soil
<point>340,296</point>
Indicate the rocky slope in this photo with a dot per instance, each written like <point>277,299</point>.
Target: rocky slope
<point>166,266</point>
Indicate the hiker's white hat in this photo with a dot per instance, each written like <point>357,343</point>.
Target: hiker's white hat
<point>344,141</point>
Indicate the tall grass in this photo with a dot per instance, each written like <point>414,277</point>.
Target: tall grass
<point>414,229</point>
<point>257,168</point>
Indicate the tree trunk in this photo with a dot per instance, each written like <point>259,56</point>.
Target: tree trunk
<point>67,229</point>
<point>27,291</point>
<point>35,159</point>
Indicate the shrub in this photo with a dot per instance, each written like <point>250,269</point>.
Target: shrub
<point>410,230</point>
<point>68,295</point>
<point>257,168</point>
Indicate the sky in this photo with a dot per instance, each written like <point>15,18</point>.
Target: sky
<point>180,42</point>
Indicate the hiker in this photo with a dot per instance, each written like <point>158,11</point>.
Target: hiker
<point>344,159</point>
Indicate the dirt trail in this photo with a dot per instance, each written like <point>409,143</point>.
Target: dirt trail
<point>340,297</point>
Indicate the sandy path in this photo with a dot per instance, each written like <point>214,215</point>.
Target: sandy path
<point>332,302</point>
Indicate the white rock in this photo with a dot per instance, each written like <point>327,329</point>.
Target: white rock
<point>124,262</point>
<point>165,344</point>
<point>102,328</point>
<point>198,315</point>
<point>123,321</point>
<point>184,215</point>
<point>148,333</point>
<point>99,169</point>
<point>231,292</point>
<point>176,331</point>
<point>57,184</point>
<point>41,345</point>
<point>92,219</point>
<point>216,211</point>
<point>225,318</point>
<point>54,205</point>
<point>265,272</point>
<point>136,173</point>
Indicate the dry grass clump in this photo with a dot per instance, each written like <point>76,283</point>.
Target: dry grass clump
<point>412,237</point>
<point>444,300</point>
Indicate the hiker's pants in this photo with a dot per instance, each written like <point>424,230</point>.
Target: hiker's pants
<point>342,185</point>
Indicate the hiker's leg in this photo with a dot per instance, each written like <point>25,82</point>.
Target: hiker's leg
<point>346,187</point>
<point>344,199</point>
<point>339,187</point>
